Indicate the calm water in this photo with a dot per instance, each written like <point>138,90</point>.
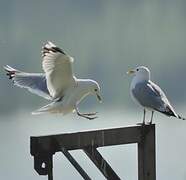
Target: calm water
<point>16,129</point>
<point>106,38</point>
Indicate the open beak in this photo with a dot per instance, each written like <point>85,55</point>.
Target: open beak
<point>131,72</point>
<point>99,98</point>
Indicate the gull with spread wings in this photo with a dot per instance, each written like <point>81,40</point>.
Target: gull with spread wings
<point>57,83</point>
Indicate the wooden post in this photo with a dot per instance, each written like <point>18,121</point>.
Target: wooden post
<point>50,169</point>
<point>146,154</point>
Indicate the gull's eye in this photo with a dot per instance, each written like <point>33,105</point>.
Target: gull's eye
<point>95,90</point>
<point>137,69</point>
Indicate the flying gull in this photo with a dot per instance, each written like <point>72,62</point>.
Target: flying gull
<point>149,95</point>
<point>57,84</point>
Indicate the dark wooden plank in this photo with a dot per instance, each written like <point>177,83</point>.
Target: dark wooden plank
<point>75,164</point>
<point>101,163</point>
<point>146,154</point>
<point>73,141</point>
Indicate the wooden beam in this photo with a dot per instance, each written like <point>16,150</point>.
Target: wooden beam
<point>75,164</point>
<point>73,141</point>
<point>147,155</point>
<point>101,164</point>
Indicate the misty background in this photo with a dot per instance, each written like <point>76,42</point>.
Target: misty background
<point>106,39</point>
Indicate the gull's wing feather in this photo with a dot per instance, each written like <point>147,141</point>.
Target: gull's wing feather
<point>54,107</point>
<point>34,82</point>
<point>149,95</point>
<point>57,66</point>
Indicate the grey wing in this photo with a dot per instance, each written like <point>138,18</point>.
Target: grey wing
<point>34,82</point>
<point>150,95</point>
<point>167,107</point>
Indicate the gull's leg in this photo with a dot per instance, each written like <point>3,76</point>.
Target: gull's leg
<point>151,118</point>
<point>90,114</point>
<point>143,123</point>
<point>84,115</point>
<point>144,113</point>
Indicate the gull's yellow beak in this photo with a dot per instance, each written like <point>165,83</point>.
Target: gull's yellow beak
<point>131,71</point>
<point>99,98</point>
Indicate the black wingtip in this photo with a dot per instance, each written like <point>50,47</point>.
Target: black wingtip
<point>182,118</point>
<point>10,72</point>
<point>51,47</point>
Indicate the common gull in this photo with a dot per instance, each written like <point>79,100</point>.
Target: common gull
<point>149,95</point>
<point>57,83</point>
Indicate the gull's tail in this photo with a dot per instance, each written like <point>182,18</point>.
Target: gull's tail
<point>45,109</point>
<point>169,111</point>
<point>54,107</point>
<point>174,115</point>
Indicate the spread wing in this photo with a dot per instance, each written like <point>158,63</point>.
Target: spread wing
<point>150,95</point>
<point>57,66</point>
<point>34,82</point>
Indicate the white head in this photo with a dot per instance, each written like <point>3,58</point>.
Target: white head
<point>141,72</point>
<point>93,88</point>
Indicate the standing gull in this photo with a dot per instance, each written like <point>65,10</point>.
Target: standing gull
<point>149,95</point>
<point>57,83</point>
